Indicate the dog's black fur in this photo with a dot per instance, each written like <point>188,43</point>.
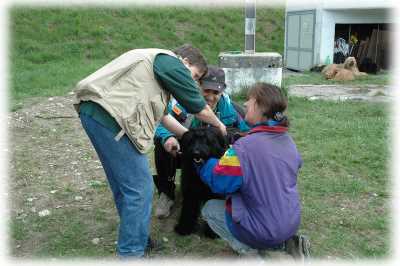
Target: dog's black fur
<point>197,144</point>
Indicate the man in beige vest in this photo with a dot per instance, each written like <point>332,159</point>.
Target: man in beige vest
<point>120,105</point>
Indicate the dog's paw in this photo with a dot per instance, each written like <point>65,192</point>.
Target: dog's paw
<point>182,230</point>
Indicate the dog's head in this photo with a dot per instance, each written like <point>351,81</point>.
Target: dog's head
<point>350,62</point>
<point>199,144</point>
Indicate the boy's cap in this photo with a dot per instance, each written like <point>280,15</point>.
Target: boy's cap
<point>214,79</point>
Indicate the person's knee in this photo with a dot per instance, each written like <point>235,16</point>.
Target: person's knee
<point>207,210</point>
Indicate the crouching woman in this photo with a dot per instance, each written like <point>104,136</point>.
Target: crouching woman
<point>258,175</point>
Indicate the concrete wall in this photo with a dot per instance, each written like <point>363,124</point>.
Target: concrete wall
<point>357,4</point>
<point>238,79</point>
<point>328,13</point>
<point>243,70</point>
<point>298,5</point>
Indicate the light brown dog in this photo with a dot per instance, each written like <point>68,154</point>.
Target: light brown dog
<point>351,64</point>
<point>330,71</point>
<point>342,72</point>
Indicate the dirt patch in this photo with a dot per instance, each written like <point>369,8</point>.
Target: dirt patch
<point>58,191</point>
<point>48,136</point>
<point>370,93</point>
<point>52,168</point>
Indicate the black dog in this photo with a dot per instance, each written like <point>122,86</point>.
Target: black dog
<point>198,144</point>
<point>368,66</point>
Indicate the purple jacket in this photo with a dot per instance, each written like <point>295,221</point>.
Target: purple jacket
<point>266,209</point>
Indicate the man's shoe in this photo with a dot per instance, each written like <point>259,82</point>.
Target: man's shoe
<point>298,246</point>
<point>152,246</point>
<point>164,206</point>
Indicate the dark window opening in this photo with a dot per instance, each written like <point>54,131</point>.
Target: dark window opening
<point>366,42</point>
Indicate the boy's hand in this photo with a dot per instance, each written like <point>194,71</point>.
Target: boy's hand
<point>172,146</point>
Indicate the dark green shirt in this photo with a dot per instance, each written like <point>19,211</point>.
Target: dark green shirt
<point>173,77</point>
<point>100,115</point>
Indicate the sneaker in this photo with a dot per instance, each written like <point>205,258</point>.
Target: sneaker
<point>276,253</point>
<point>298,246</point>
<point>251,254</point>
<point>164,206</point>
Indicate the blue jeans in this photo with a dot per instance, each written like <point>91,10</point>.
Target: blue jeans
<point>131,183</point>
<point>213,213</point>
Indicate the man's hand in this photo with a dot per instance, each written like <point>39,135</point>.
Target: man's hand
<point>172,146</point>
<point>233,134</point>
<point>223,130</point>
<point>207,116</point>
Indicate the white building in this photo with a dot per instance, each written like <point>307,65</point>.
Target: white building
<point>312,27</point>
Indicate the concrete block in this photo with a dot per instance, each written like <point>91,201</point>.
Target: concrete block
<point>243,70</point>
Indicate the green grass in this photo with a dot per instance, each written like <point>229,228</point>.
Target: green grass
<point>383,78</point>
<point>343,182</point>
<point>344,188</point>
<point>53,48</point>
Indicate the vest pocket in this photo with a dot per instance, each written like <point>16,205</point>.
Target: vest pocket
<point>158,107</point>
<point>140,125</point>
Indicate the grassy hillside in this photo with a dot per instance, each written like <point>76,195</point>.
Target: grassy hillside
<point>53,48</point>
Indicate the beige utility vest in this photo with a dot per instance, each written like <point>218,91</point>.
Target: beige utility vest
<point>127,89</point>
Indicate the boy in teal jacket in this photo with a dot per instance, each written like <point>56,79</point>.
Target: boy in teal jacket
<point>167,145</point>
